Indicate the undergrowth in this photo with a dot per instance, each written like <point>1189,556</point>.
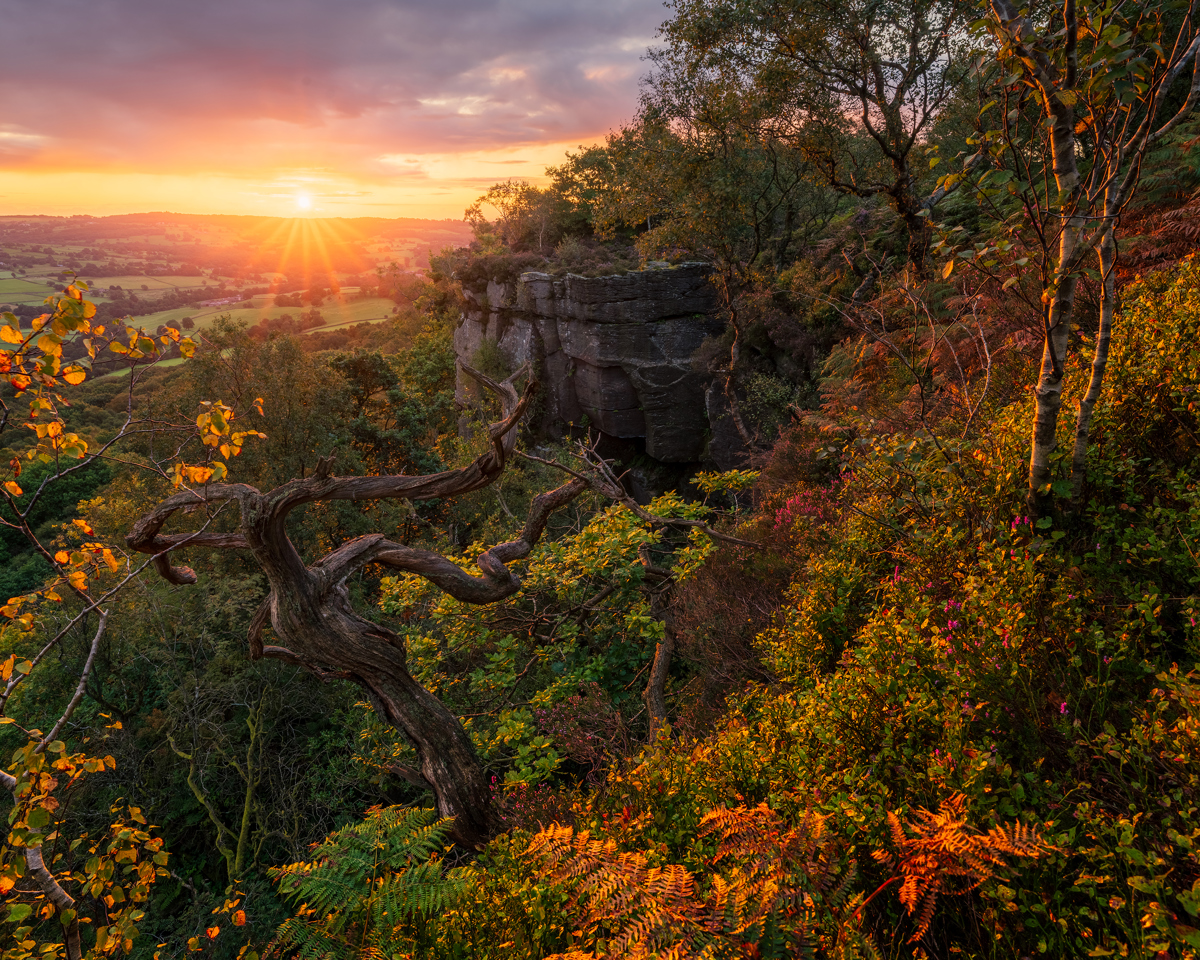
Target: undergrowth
<point>971,732</point>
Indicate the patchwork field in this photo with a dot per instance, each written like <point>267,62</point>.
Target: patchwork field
<point>336,312</point>
<point>139,282</point>
<point>16,290</point>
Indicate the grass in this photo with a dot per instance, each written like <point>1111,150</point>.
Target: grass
<point>135,282</point>
<point>17,291</point>
<point>336,313</point>
<point>35,287</point>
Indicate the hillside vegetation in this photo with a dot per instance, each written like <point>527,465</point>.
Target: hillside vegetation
<point>302,658</point>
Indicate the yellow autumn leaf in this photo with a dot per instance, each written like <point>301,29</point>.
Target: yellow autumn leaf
<point>74,375</point>
<point>12,487</point>
<point>62,557</point>
<point>77,579</point>
<point>9,335</point>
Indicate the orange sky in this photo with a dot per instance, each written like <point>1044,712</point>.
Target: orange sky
<point>322,107</point>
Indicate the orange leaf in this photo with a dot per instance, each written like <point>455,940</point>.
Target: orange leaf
<point>212,932</point>
<point>239,918</point>
<point>11,487</point>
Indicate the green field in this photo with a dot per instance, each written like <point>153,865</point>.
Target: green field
<point>336,313</point>
<point>17,291</point>
<point>154,286</point>
<point>34,288</point>
<point>135,282</point>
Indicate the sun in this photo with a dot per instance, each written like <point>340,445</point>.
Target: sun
<point>303,201</point>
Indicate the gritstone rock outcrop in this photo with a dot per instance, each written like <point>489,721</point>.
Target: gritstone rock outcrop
<point>618,349</point>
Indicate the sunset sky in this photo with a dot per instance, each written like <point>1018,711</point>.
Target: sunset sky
<point>326,107</point>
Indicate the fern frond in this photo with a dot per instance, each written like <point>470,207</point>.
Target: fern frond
<point>367,879</point>
<point>945,849</point>
<point>773,871</point>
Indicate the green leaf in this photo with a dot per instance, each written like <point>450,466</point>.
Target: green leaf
<point>38,818</point>
<point>18,912</point>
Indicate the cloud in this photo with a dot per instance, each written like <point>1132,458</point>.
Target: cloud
<point>363,88</point>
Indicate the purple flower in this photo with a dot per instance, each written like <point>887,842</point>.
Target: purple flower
<point>1062,707</point>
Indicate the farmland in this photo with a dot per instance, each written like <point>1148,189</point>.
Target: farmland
<point>337,311</point>
<point>161,267</point>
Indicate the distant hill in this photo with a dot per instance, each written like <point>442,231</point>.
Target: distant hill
<point>222,246</point>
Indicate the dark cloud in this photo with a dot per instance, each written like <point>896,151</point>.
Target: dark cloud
<point>230,84</point>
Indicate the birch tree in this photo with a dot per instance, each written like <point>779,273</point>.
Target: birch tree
<point>1083,90</point>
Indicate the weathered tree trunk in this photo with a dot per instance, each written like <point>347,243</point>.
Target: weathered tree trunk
<point>1061,295</point>
<point>1107,250</point>
<point>310,610</point>
<point>661,584</point>
<point>1048,391</point>
<point>321,627</point>
<point>912,211</point>
<point>655,695</point>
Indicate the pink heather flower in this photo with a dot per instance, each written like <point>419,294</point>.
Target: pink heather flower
<point>1062,707</point>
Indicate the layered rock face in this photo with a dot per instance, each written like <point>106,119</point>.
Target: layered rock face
<point>618,349</point>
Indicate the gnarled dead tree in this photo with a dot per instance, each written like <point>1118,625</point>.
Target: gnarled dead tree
<point>310,610</point>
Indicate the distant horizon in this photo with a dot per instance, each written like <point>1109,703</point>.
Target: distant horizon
<point>182,213</point>
<point>392,108</point>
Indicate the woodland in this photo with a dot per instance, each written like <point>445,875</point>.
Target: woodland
<point>302,659</point>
